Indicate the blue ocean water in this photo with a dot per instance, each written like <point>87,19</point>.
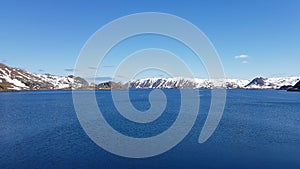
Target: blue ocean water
<point>259,129</point>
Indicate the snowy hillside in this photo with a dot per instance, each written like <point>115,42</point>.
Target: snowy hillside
<point>18,79</point>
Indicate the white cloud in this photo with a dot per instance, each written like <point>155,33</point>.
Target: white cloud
<point>241,57</point>
<point>245,62</point>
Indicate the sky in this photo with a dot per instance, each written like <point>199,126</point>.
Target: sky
<point>253,38</point>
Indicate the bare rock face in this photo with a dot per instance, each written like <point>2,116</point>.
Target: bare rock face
<point>110,86</point>
<point>287,87</point>
<point>14,79</point>
<point>259,81</point>
<point>296,87</point>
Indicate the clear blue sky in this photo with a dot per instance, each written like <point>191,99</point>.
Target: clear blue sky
<point>47,36</point>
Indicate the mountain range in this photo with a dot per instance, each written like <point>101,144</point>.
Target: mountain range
<point>15,79</point>
<point>195,83</point>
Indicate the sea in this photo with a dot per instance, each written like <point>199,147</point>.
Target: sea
<point>258,129</point>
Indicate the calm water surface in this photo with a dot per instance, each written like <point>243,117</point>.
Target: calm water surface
<point>259,129</point>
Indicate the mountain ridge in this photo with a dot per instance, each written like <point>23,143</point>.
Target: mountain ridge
<point>257,83</point>
<point>15,79</point>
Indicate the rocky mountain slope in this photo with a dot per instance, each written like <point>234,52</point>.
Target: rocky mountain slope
<point>14,79</point>
<point>110,85</point>
<point>296,87</point>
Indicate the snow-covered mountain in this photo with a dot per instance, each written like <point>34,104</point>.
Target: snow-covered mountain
<point>184,83</point>
<point>272,83</point>
<point>257,83</point>
<point>12,79</point>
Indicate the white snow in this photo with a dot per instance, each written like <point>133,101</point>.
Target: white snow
<point>57,81</point>
<point>18,84</point>
<point>14,88</point>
